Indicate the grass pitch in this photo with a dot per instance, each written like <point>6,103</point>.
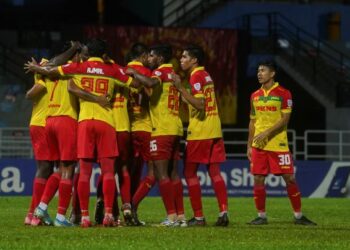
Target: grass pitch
<point>332,232</point>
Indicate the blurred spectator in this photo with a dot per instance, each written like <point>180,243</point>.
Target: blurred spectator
<point>7,104</point>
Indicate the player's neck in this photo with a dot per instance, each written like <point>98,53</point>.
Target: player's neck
<point>268,85</point>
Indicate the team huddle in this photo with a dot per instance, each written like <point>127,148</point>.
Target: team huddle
<point>90,110</point>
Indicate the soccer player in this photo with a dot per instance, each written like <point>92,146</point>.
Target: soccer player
<point>96,133</point>
<point>166,132</point>
<point>40,96</point>
<point>267,147</point>
<point>39,141</point>
<point>204,136</point>
<point>141,127</point>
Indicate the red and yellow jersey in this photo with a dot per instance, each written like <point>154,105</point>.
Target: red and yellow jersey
<point>39,112</point>
<point>164,104</point>
<point>203,124</point>
<point>99,78</point>
<point>120,109</point>
<point>61,102</point>
<point>139,103</point>
<point>266,109</point>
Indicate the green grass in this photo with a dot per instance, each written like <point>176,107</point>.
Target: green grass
<point>332,232</point>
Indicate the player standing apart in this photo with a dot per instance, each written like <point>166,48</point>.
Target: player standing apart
<point>267,148</point>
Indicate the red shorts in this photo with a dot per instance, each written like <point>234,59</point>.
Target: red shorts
<point>124,145</point>
<point>62,138</point>
<point>205,151</point>
<point>140,144</point>
<point>266,162</point>
<point>96,140</point>
<point>39,142</point>
<point>165,147</point>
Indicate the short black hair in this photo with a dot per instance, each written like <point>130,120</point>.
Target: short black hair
<point>137,50</point>
<point>97,47</point>
<point>163,50</point>
<point>269,64</point>
<point>195,51</point>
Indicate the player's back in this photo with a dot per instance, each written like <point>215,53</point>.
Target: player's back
<point>204,124</point>
<point>99,78</point>
<point>164,104</point>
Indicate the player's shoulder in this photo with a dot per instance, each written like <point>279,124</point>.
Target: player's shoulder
<point>282,90</point>
<point>257,92</point>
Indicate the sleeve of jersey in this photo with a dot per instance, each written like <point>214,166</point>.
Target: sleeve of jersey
<point>252,109</point>
<point>287,102</point>
<point>68,69</point>
<point>121,78</point>
<point>157,74</point>
<point>197,85</point>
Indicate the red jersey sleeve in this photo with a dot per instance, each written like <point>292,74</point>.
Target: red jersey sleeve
<point>197,83</point>
<point>120,76</point>
<point>287,102</point>
<point>69,69</point>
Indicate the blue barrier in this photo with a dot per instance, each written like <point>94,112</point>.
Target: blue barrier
<point>315,178</point>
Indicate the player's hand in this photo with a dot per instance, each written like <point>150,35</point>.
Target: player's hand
<point>176,80</point>
<point>261,139</point>
<point>30,66</point>
<point>130,71</point>
<point>75,44</point>
<point>104,101</point>
<point>249,153</point>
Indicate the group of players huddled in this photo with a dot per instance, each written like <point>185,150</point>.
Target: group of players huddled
<point>88,109</point>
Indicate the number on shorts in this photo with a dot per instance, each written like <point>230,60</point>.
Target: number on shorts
<point>153,145</point>
<point>284,159</point>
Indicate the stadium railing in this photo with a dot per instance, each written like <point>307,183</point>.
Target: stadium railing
<point>312,145</point>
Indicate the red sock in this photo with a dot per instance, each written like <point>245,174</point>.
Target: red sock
<point>65,193</point>
<point>194,192</point>
<point>38,190</point>
<point>84,185</point>
<point>294,196</point>
<point>179,196</point>
<point>108,183</point>
<point>75,199</point>
<point>145,186</point>
<point>194,188</point>
<point>125,186</point>
<point>219,186</point>
<point>51,188</point>
<point>166,190</point>
<point>259,197</point>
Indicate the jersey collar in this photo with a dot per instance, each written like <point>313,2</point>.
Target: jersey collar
<point>166,65</point>
<point>267,92</point>
<point>95,59</point>
<point>197,69</point>
<point>135,63</point>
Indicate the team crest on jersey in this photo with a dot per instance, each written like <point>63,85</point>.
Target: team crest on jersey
<point>197,86</point>
<point>289,103</point>
<point>157,73</point>
<point>208,79</point>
